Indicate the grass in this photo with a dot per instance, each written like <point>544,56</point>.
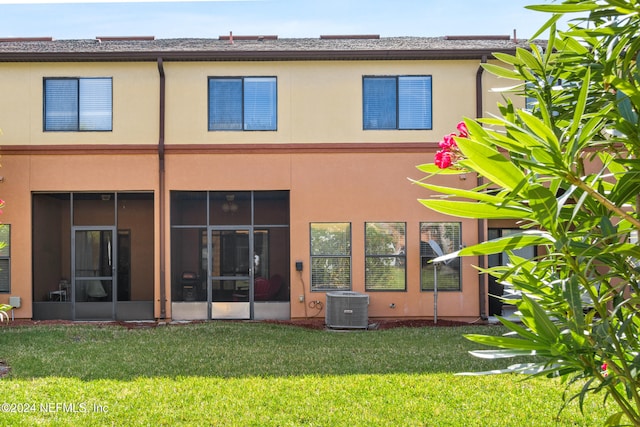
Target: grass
<point>258,374</point>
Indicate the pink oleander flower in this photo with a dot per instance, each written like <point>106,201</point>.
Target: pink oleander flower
<point>462,129</point>
<point>603,368</point>
<point>448,142</point>
<point>443,159</point>
<point>449,151</point>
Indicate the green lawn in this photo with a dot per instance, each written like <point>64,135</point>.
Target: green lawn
<point>243,374</point>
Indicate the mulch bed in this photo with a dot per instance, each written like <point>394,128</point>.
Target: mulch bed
<point>375,324</point>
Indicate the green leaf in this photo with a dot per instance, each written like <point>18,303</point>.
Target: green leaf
<point>540,320</point>
<point>511,242</point>
<point>627,249</point>
<point>431,168</point>
<point>507,342</point>
<point>572,45</point>
<point>491,163</point>
<point>634,163</point>
<point>614,419</point>
<point>571,293</point>
<point>580,104</point>
<point>530,61</point>
<point>629,90</point>
<point>501,354</point>
<point>550,24</point>
<point>469,194</point>
<point>501,71</point>
<point>585,136</point>
<point>625,108</point>
<point>563,8</point>
<point>544,206</point>
<point>474,210</point>
<point>613,164</point>
<point>517,328</point>
<point>626,189</point>
<point>607,228</point>
<point>543,132</point>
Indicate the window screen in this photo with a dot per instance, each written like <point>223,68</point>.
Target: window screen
<point>72,104</point>
<point>330,256</point>
<point>385,256</point>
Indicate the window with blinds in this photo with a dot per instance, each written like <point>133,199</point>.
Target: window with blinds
<point>437,239</point>
<point>330,256</point>
<point>397,102</point>
<point>78,104</point>
<point>5,258</point>
<point>242,103</point>
<point>385,256</point>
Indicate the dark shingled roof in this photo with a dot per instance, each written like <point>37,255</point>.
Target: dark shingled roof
<point>269,48</point>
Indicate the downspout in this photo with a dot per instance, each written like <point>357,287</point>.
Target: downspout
<point>161,191</point>
<point>482,279</point>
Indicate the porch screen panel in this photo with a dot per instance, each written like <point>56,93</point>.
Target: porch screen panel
<point>260,103</point>
<point>61,104</point>
<point>379,103</point>
<point>414,107</point>
<point>225,104</point>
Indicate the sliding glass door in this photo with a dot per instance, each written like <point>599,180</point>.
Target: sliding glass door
<point>94,267</point>
<point>231,272</point>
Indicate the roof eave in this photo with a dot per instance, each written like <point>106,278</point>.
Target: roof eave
<point>248,55</point>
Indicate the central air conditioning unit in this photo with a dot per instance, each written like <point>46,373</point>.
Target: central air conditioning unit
<point>347,309</point>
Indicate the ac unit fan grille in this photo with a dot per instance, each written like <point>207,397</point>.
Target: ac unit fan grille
<point>347,309</point>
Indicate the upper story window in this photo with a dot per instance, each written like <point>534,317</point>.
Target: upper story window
<point>242,103</point>
<point>397,102</point>
<point>78,104</point>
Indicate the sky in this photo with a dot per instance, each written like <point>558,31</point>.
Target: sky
<point>88,19</point>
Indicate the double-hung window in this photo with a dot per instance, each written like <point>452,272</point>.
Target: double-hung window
<point>78,104</point>
<point>397,102</point>
<point>437,239</point>
<point>330,256</point>
<point>385,256</point>
<point>5,258</point>
<point>242,103</point>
